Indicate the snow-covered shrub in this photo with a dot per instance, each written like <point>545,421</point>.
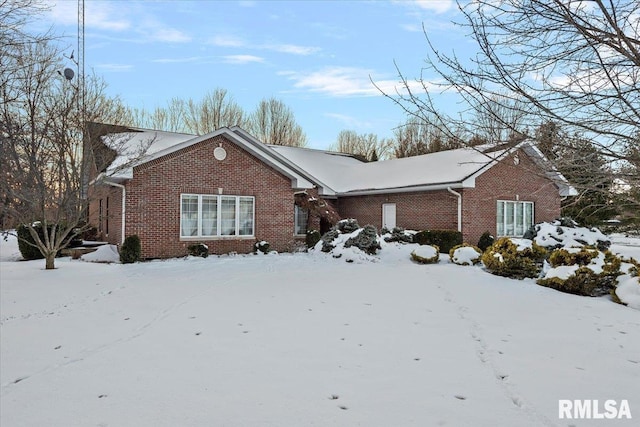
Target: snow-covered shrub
<point>312,237</point>
<point>628,292</point>
<point>198,249</point>
<point>346,226</point>
<point>327,240</point>
<point>366,240</point>
<point>426,254</point>
<point>515,258</point>
<point>130,250</point>
<point>444,239</point>
<point>566,233</point>
<point>359,245</point>
<point>398,234</point>
<point>582,271</point>
<point>465,254</point>
<point>261,246</point>
<point>485,241</point>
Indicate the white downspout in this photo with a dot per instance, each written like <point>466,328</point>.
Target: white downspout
<point>459,196</point>
<point>124,201</point>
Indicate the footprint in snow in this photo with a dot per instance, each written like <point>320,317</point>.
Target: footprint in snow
<point>460,397</point>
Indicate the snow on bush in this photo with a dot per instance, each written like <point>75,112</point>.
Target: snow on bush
<point>566,233</point>
<point>465,254</point>
<point>582,271</point>
<point>628,291</point>
<point>261,246</point>
<point>343,241</point>
<point>426,254</point>
<point>398,234</point>
<point>105,254</point>
<point>514,258</point>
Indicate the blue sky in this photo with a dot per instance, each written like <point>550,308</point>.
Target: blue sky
<point>315,56</point>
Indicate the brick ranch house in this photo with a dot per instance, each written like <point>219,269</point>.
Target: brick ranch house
<point>226,189</point>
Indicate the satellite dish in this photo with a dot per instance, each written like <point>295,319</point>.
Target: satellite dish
<point>68,73</point>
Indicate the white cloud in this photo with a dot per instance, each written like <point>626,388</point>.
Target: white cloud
<point>178,60</point>
<point>241,59</point>
<point>116,68</point>
<point>290,48</point>
<point>349,121</point>
<point>171,35</point>
<point>98,15</point>
<point>345,81</point>
<point>437,6</point>
<point>226,41</point>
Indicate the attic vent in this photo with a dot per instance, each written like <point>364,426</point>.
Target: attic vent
<point>220,153</point>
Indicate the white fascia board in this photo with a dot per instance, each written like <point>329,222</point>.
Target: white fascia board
<point>411,189</point>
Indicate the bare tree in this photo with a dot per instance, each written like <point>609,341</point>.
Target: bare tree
<point>367,146</point>
<point>215,110</point>
<point>575,63</point>
<point>41,131</point>
<point>274,123</point>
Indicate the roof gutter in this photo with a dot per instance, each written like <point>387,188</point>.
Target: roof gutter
<point>459,196</point>
<point>411,189</point>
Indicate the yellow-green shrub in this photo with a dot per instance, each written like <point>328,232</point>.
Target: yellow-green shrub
<point>504,258</point>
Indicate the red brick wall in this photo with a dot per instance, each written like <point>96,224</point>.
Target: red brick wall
<point>109,223</point>
<point>434,210</point>
<point>438,209</point>
<point>507,181</point>
<point>153,198</point>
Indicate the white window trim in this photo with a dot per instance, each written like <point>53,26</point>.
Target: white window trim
<point>218,236</point>
<point>504,216</point>
<point>296,209</point>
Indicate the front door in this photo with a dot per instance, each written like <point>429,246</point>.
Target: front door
<point>389,216</point>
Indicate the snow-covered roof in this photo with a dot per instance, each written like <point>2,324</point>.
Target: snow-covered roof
<point>334,174</point>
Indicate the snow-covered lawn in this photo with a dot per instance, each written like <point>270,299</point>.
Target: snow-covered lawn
<point>297,340</point>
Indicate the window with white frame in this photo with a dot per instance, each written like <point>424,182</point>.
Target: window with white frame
<point>513,218</point>
<point>203,215</point>
<point>301,216</point>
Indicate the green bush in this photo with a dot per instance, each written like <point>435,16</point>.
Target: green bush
<point>563,257</point>
<point>26,242</point>
<point>398,234</point>
<point>485,241</point>
<point>130,250</point>
<point>346,226</point>
<point>444,239</point>
<point>366,240</point>
<point>584,280</point>
<point>419,256</point>
<point>261,246</point>
<point>313,237</point>
<point>455,257</point>
<point>328,238</point>
<point>199,250</point>
<point>504,259</point>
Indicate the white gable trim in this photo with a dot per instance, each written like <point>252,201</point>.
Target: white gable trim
<point>255,148</point>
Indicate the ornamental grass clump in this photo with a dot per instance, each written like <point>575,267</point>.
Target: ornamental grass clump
<point>514,258</point>
<point>465,254</point>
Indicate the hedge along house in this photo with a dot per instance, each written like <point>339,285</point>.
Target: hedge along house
<point>226,189</point>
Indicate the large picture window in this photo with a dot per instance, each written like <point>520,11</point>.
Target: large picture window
<point>214,216</point>
<point>301,217</point>
<point>513,218</point>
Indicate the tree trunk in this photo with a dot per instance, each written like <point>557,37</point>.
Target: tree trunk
<point>50,261</point>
